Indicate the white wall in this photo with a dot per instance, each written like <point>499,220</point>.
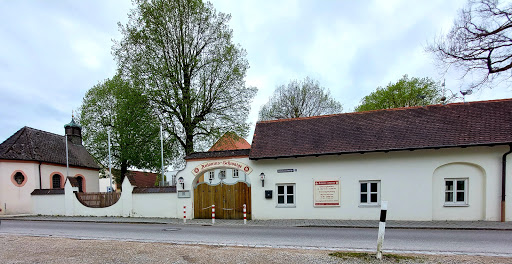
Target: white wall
<point>406,182</point>
<point>14,199</point>
<point>49,204</point>
<point>411,181</point>
<point>91,176</point>
<point>104,183</point>
<point>156,205</point>
<point>18,200</point>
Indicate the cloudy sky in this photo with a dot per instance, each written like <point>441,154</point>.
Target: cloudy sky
<point>52,52</point>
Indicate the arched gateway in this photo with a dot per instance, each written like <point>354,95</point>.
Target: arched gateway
<point>225,184</point>
<point>221,177</point>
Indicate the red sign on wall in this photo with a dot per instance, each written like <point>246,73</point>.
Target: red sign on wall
<point>326,193</point>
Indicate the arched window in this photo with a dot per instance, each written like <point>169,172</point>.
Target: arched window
<point>80,181</point>
<point>56,181</point>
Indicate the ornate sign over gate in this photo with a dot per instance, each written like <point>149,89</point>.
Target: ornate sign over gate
<point>230,164</point>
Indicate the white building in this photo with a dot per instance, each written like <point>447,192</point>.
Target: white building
<point>438,162</point>
<point>33,162</point>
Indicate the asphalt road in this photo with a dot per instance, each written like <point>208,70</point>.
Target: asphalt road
<point>473,242</point>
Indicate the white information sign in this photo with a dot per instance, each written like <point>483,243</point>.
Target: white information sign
<point>327,193</point>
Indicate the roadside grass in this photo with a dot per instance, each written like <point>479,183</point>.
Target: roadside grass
<point>371,256</point>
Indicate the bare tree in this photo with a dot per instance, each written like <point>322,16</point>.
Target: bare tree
<point>479,43</point>
<point>299,99</point>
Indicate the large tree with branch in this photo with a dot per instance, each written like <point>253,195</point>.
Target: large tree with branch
<point>299,99</point>
<point>479,43</point>
<point>181,52</point>
<point>116,106</point>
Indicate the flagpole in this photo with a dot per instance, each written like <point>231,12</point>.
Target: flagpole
<point>162,152</point>
<point>67,159</point>
<point>109,161</point>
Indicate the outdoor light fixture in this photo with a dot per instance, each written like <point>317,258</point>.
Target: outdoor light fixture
<point>262,177</point>
<point>182,182</point>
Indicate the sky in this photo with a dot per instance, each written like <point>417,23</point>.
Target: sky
<point>52,52</point>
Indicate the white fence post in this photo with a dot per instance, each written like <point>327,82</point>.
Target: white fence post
<point>213,214</point>
<point>382,228</point>
<point>245,214</point>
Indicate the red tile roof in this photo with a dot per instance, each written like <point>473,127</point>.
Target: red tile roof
<point>230,141</point>
<point>433,126</point>
<point>141,178</point>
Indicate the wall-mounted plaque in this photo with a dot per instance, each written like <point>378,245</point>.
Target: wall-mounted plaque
<point>327,193</point>
<point>184,194</point>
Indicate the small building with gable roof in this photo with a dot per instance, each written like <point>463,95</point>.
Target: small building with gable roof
<point>33,162</point>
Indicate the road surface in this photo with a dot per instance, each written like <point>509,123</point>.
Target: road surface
<point>471,242</point>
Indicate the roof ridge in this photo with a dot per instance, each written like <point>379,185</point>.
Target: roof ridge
<point>381,110</point>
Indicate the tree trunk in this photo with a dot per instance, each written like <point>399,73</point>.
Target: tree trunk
<point>124,169</point>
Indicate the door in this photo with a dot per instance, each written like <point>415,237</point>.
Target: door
<point>229,200</point>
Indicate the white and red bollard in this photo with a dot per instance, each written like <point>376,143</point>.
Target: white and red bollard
<point>245,214</point>
<point>184,214</point>
<point>213,214</point>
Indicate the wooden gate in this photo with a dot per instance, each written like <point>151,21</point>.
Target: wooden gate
<point>229,200</point>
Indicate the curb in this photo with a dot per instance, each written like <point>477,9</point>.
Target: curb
<point>253,225</point>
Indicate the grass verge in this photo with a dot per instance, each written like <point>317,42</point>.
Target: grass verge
<point>371,256</point>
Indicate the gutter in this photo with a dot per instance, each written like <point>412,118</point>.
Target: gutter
<point>504,181</point>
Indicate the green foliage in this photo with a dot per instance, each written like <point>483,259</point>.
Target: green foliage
<point>181,53</point>
<point>117,106</point>
<point>370,257</point>
<point>299,99</point>
<point>406,92</point>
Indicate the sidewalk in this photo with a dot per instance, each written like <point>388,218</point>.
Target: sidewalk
<point>453,225</point>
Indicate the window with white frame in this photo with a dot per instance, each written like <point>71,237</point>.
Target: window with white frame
<point>369,192</point>
<point>211,175</point>
<point>235,173</point>
<point>455,191</point>
<point>285,195</point>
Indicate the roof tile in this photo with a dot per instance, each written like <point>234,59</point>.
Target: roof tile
<point>459,124</point>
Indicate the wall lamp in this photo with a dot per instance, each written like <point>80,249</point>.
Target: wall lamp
<point>182,182</point>
<point>262,177</point>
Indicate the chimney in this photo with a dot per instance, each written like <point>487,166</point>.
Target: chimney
<point>74,132</point>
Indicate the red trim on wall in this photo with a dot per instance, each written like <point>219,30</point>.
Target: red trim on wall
<point>24,181</point>
<point>61,179</point>
<point>83,181</point>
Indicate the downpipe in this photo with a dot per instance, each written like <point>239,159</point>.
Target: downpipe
<point>504,181</point>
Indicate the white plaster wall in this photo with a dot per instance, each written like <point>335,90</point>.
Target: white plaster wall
<point>104,183</point>
<point>242,177</point>
<point>14,199</point>
<point>91,176</point>
<point>51,204</point>
<point>156,205</point>
<point>475,209</point>
<point>406,182</point>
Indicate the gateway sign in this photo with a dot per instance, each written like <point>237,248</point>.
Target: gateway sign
<point>327,193</point>
<point>229,164</point>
